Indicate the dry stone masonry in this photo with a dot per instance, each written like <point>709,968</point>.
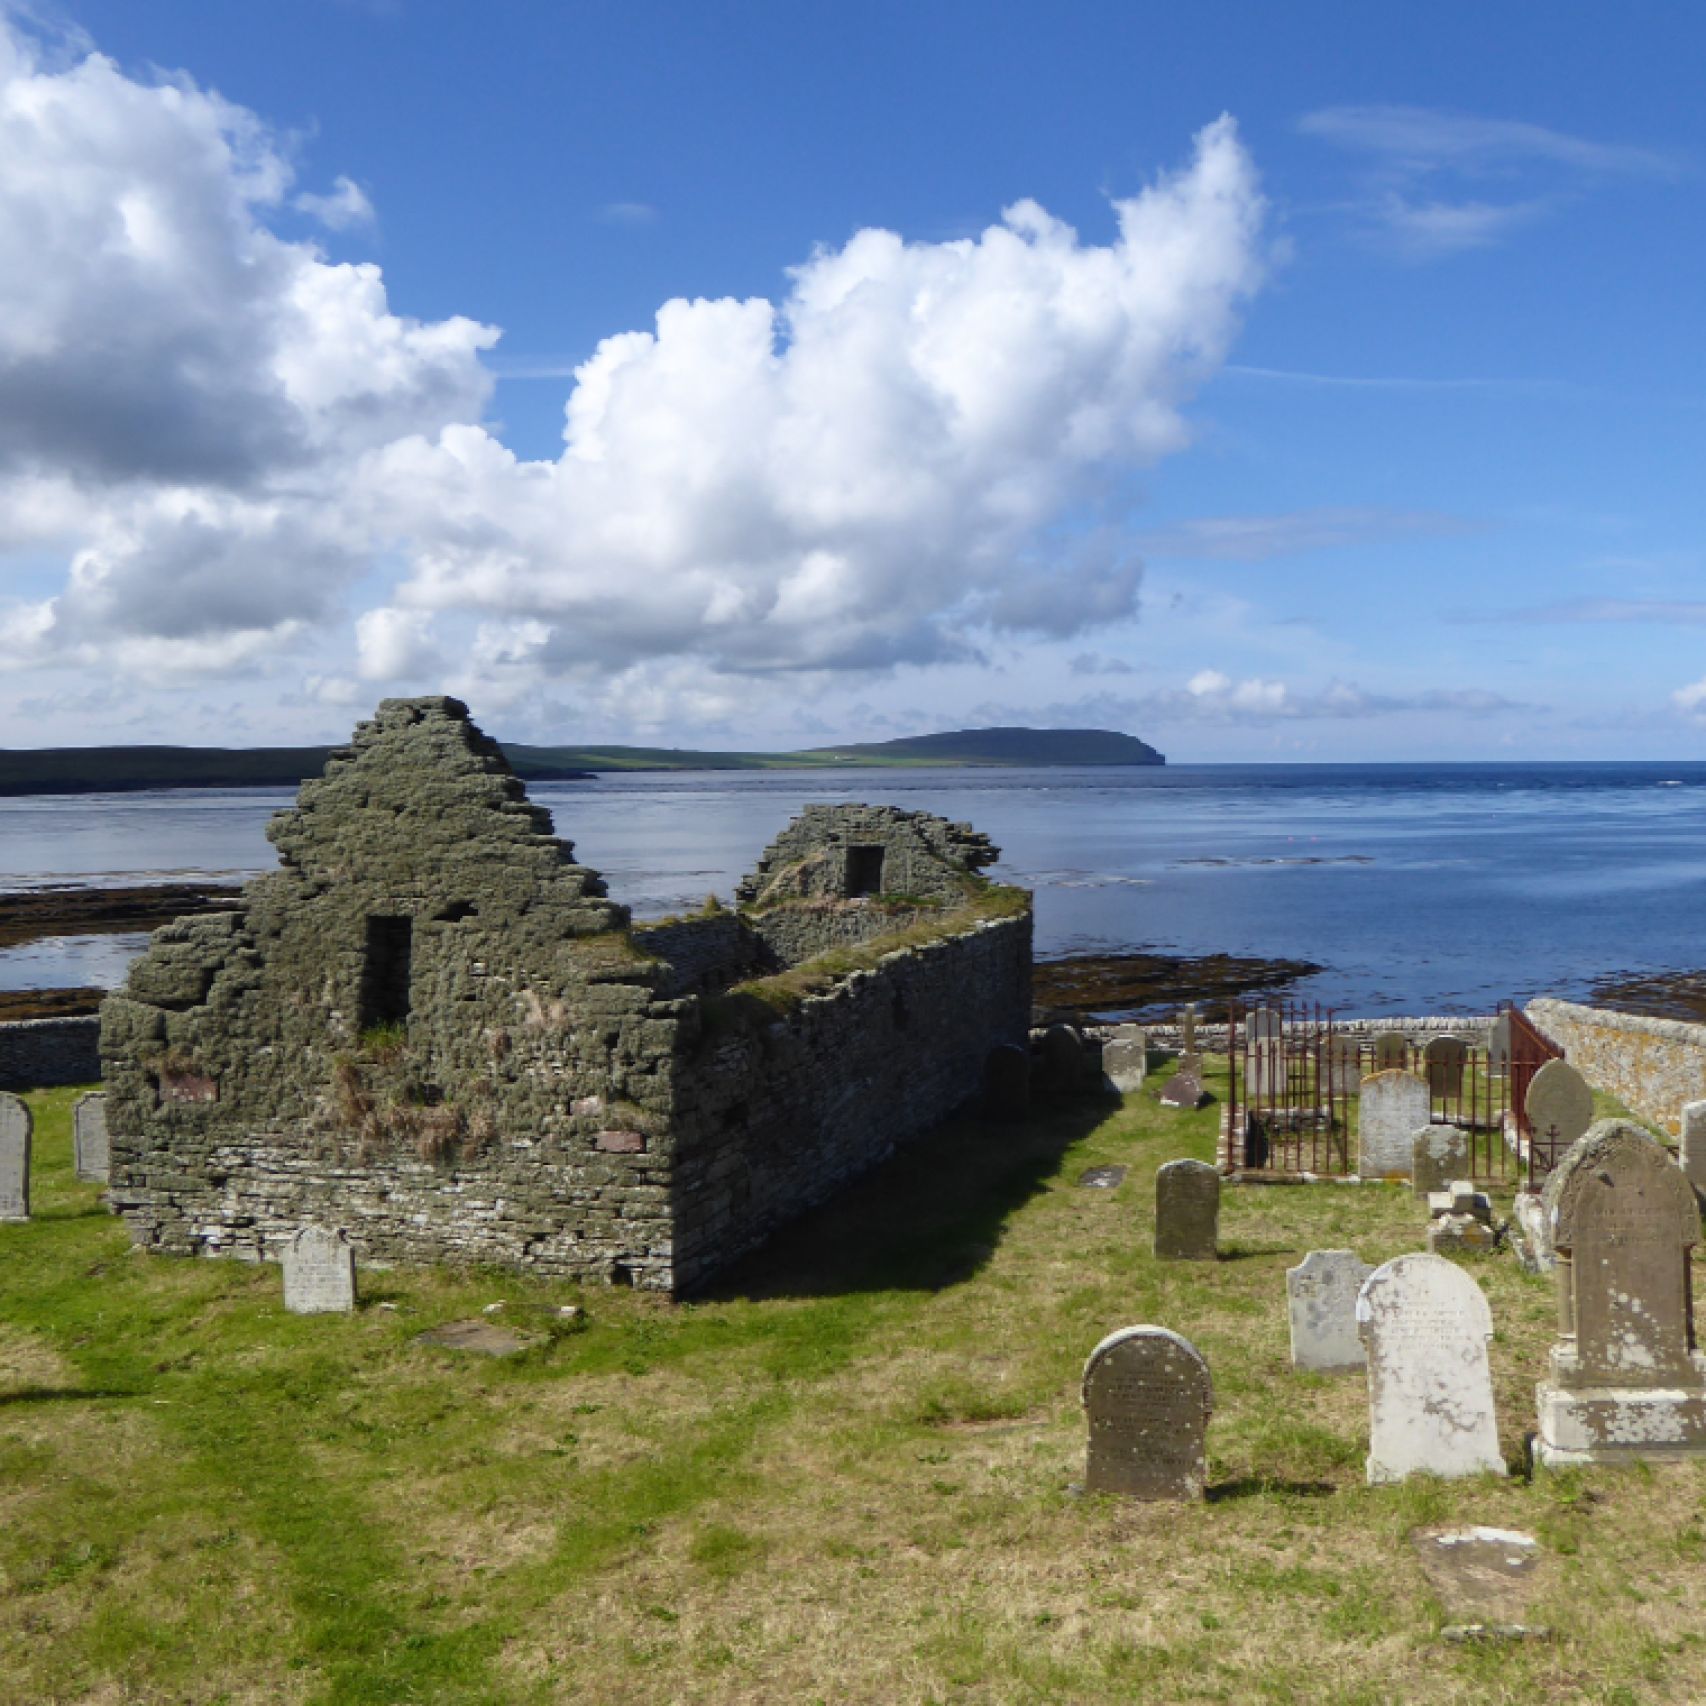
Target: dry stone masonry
<point>1626,1379</point>
<point>431,1027</point>
<point>16,1129</point>
<point>1425,1324</point>
<point>1147,1398</point>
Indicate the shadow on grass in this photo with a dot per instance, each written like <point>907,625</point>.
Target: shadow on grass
<point>1249,1252</point>
<point>1253,1486</point>
<point>927,1218</point>
<point>63,1394</point>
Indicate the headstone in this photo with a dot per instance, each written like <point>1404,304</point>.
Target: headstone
<point>1148,1397</point>
<point>1264,1070</point>
<point>1394,1108</point>
<point>1007,1082</point>
<point>1341,1064</point>
<point>1444,1060</point>
<point>16,1129</point>
<point>1391,1049</point>
<point>1188,1030</point>
<point>1187,1212</point>
<point>1264,1025</point>
<point>1425,1325</point>
<point>1125,1057</point>
<point>1692,1154</point>
<point>1438,1154</point>
<point>1559,1105</point>
<point>1182,1090</point>
<point>1626,1380</point>
<point>319,1272</point>
<point>1321,1292</point>
<point>1461,1222</point>
<point>89,1137</point>
<point>1060,1058</point>
<point>1499,1045</point>
<point>1534,1244</point>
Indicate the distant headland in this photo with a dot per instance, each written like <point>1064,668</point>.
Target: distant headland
<point>128,769</point>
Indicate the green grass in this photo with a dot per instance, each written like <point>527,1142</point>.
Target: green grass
<point>843,1477</point>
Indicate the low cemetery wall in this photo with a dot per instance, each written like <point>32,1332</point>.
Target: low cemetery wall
<point>42,1054</point>
<point>1653,1066</point>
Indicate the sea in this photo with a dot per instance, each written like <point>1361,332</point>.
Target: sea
<point>1419,889</point>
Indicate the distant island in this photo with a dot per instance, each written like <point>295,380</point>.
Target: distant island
<point>127,769</point>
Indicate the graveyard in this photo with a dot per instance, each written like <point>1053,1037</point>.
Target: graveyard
<point>853,1469</point>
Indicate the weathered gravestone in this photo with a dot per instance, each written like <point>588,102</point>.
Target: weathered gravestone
<point>1425,1325</point>
<point>89,1137</point>
<point>1444,1061</point>
<point>1391,1049</point>
<point>1182,1090</point>
<point>1438,1154</point>
<point>1692,1154</point>
<point>1626,1380</point>
<point>1264,1054</point>
<point>1007,1082</point>
<point>1559,1105</point>
<point>1101,1178</point>
<point>1060,1059</point>
<point>1188,1029</point>
<point>1147,1397</point>
<point>16,1128</point>
<point>1125,1057</point>
<point>1322,1294</point>
<point>1499,1045</point>
<point>1341,1065</point>
<point>1461,1220</point>
<point>319,1272</point>
<point>1394,1108</point>
<point>1187,1212</point>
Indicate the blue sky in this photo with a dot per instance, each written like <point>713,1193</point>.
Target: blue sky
<point>1386,444</point>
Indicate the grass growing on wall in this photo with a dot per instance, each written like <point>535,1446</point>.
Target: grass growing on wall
<point>844,1477</point>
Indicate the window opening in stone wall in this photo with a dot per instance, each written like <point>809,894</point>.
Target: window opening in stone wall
<point>864,871</point>
<point>385,972</point>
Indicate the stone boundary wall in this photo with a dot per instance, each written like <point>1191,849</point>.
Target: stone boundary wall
<point>773,1121</point>
<point>796,933</point>
<point>1652,1066</point>
<point>42,1054</point>
<point>1476,1027</point>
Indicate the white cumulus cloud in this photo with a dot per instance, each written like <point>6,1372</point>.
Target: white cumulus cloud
<point>228,432</point>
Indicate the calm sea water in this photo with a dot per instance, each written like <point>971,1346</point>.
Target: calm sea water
<point>1421,888</point>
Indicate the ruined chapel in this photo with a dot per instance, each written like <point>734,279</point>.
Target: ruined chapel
<point>432,1027</point>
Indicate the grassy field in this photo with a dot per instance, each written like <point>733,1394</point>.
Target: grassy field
<point>843,1478</point>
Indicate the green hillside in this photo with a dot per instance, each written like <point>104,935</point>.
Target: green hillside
<point>103,769</point>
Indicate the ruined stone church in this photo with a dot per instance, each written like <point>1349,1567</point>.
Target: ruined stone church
<point>432,1027</point>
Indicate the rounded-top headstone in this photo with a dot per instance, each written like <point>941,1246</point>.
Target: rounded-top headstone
<point>16,1129</point>
<point>1060,1057</point>
<point>1444,1060</point>
<point>1623,1217</point>
<point>1147,1397</point>
<point>1559,1104</point>
<point>1187,1212</point>
<point>1391,1048</point>
<point>1425,1324</point>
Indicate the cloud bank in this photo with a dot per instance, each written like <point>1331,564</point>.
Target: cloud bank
<point>229,439</point>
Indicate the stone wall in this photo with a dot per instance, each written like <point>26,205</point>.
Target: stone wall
<point>1653,1066</point>
<point>796,933</point>
<point>775,1115</point>
<point>40,1054</point>
<point>705,953</point>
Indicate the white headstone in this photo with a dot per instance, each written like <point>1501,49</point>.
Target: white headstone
<point>1499,1045</point>
<point>319,1272</point>
<point>89,1137</point>
<point>1394,1108</point>
<point>1322,1293</point>
<point>16,1128</point>
<point>1264,1025</point>
<point>1425,1325</point>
